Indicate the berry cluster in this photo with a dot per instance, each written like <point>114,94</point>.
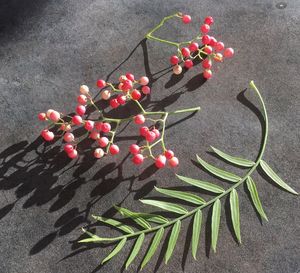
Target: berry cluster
<point>104,129</point>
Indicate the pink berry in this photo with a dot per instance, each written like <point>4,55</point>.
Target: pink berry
<point>127,85</point>
<point>150,136</point>
<point>185,52</point>
<point>174,60</point>
<point>213,41</point>
<point>138,159</point>
<point>169,154</point>
<point>208,49</point>
<point>130,77</point>
<point>207,74</point>
<point>206,63</point>
<point>49,111</point>
<point>65,127</point>
<point>134,149</point>
<point>208,20</point>
<point>82,99</point>
<point>206,39</point>
<point>228,52</point>
<point>98,153</point>
<point>219,46</point>
<point>122,78</point>
<point>47,135</point>
<point>54,116</point>
<point>77,120</point>
<point>94,135</point>
<point>173,162</point>
<point>218,57</point>
<point>120,86</point>
<point>135,94</point>
<point>105,127</point>
<point>146,90</point>
<point>144,130</point>
<point>42,116</point>
<point>73,154</point>
<point>177,69</point>
<point>156,132</point>
<point>205,28</point>
<point>186,19</point>
<point>114,149</point>
<point>68,148</point>
<point>105,94</point>
<point>68,137</point>
<point>188,64</point>
<point>144,80</point>
<point>139,119</point>
<point>121,99</point>
<point>101,83</point>
<point>89,125</point>
<point>193,46</point>
<point>103,142</point>
<point>84,89</point>
<point>114,103</point>
<point>80,110</point>
<point>160,161</point>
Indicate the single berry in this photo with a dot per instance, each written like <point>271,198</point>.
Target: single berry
<point>130,77</point>
<point>156,132</point>
<point>146,90</point>
<point>208,50</point>
<point>47,135</point>
<point>120,86</point>
<point>80,110</point>
<point>98,126</point>
<point>48,113</point>
<point>122,78</point>
<point>219,46</point>
<point>94,135</point>
<point>139,119</point>
<point>135,94</point>
<point>185,52</point>
<point>68,137</point>
<point>42,116</point>
<point>77,120</point>
<point>177,69</point>
<point>121,99</point>
<point>101,83</point>
<point>65,127</point>
<point>144,80</point>
<point>205,39</point>
<point>82,99</point>
<point>150,136</point>
<point>127,85</point>
<point>114,103</point>
<point>206,63</point>
<point>213,41</point>
<point>98,153</point>
<point>114,149</point>
<point>73,154</point>
<point>186,19</point>
<point>174,60</point>
<point>68,148</point>
<point>105,94</point>
<point>138,159</point>
<point>205,28</point>
<point>84,90</point>
<point>169,154</point>
<point>144,130</point>
<point>218,57</point>
<point>193,46</point>
<point>188,64</point>
<point>89,125</point>
<point>134,149</point>
<point>103,141</point>
<point>208,20</point>
<point>160,161</point>
<point>228,52</point>
<point>207,74</point>
<point>173,162</point>
<point>105,127</point>
<point>55,116</point>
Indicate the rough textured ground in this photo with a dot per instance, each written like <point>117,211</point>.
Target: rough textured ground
<point>49,48</point>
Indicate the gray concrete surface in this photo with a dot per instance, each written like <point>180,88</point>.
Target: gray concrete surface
<point>49,48</point>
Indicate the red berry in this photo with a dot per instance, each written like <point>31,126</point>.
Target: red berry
<point>160,161</point>
<point>42,116</point>
<point>122,78</point>
<point>138,159</point>
<point>156,132</point>
<point>121,99</point>
<point>77,120</point>
<point>139,119</point>
<point>73,154</point>
<point>135,94</point>
<point>134,148</point>
<point>205,28</point>
<point>127,85</point>
<point>228,53</point>
<point>80,110</point>
<point>208,20</point>
<point>185,52</point>
<point>130,77</point>
<point>169,154</point>
<point>144,80</point>
<point>68,148</point>
<point>146,90</point>
<point>47,135</point>
<point>188,64</point>
<point>105,127</point>
<point>68,137</point>
<point>54,116</point>
<point>150,136</point>
<point>174,60</point>
<point>207,74</point>
<point>101,83</point>
<point>173,162</point>
<point>89,125</point>
<point>219,46</point>
<point>103,142</point>
<point>208,49</point>
<point>213,41</point>
<point>114,149</point>
<point>206,63</point>
<point>94,135</point>
<point>114,103</point>
<point>193,46</point>
<point>144,130</point>
<point>205,39</point>
<point>82,99</point>
<point>98,126</point>
<point>186,19</point>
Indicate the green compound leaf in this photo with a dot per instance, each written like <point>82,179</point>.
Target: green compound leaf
<point>135,250</point>
<point>196,232</point>
<point>165,206</point>
<point>235,160</point>
<point>189,197</point>
<point>115,251</point>
<point>172,240</point>
<point>155,242</point>
<point>235,214</point>
<point>218,172</point>
<point>201,184</point>
<point>114,223</point>
<point>269,172</point>
<point>255,198</point>
<point>215,223</point>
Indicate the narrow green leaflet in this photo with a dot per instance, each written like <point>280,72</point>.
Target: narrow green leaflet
<point>155,242</point>
<point>255,198</point>
<point>135,250</point>
<point>172,240</point>
<point>115,251</point>
<point>196,232</point>
<point>154,218</point>
<point>93,238</point>
<point>215,223</point>
<point>269,172</point>
<point>218,172</point>
<point>201,184</point>
<point>232,159</point>
<point>235,214</point>
<point>114,223</point>
<point>165,206</point>
<point>189,197</point>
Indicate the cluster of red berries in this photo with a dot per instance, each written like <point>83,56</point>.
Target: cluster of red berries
<point>210,47</point>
